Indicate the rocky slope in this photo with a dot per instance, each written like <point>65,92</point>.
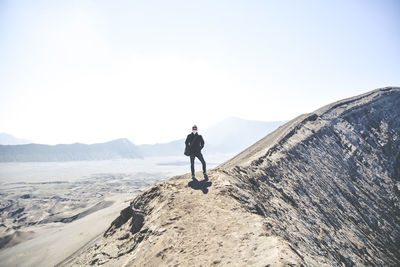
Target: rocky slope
<point>322,190</point>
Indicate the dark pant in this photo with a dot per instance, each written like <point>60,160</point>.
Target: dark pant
<point>200,157</point>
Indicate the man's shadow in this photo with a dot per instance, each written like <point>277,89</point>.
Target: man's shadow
<point>200,185</point>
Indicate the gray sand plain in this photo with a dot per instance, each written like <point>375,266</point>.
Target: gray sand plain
<point>49,210</point>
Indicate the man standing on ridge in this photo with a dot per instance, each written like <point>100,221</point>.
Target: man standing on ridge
<point>194,144</point>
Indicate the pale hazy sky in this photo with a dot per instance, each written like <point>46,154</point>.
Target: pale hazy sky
<point>92,71</point>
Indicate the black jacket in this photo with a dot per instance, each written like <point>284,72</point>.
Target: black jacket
<point>198,143</point>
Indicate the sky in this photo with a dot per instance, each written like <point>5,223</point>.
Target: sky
<point>92,71</point>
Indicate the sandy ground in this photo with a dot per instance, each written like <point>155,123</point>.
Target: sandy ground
<point>188,223</point>
<point>48,211</point>
<point>42,223</point>
<point>51,243</point>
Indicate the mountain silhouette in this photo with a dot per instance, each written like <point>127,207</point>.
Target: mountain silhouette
<point>8,139</point>
<point>119,148</point>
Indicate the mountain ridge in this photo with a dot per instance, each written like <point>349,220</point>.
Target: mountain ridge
<point>327,195</point>
<point>8,139</point>
<point>287,130</point>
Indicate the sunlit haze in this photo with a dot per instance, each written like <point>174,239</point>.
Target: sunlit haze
<point>92,71</point>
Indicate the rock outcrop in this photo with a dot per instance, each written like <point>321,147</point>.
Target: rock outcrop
<point>322,190</point>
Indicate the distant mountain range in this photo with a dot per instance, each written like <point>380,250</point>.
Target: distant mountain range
<point>231,135</point>
<point>120,148</point>
<point>8,139</point>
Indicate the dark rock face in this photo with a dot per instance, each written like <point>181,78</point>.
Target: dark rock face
<point>135,212</point>
<point>330,184</point>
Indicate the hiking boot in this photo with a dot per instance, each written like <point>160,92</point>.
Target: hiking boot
<point>205,175</point>
<point>193,177</point>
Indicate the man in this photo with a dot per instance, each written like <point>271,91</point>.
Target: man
<point>196,143</point>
